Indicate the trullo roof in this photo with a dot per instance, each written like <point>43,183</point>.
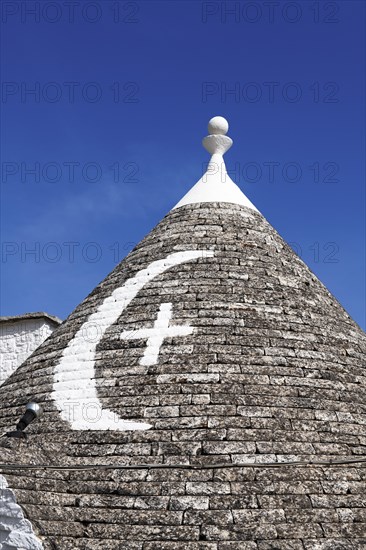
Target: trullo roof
<point>209,394</point>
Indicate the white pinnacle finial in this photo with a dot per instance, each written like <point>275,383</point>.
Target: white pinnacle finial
<point>217,143</point>
<point>216,184</point>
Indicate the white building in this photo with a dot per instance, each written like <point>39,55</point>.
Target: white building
<point>20,335</point>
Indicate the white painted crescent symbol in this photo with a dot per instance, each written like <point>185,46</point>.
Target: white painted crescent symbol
<point>74,388</point>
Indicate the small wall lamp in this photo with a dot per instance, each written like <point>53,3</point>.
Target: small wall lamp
<point>32,411</point>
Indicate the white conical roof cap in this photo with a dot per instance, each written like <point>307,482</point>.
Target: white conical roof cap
<point>216,185</point>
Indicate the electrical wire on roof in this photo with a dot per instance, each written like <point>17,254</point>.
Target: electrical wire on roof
<point>330,462</point>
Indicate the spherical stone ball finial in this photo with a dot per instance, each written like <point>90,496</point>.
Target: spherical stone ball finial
<point>218,125</point>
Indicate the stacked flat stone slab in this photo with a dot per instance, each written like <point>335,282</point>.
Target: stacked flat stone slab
<point>273,372</point>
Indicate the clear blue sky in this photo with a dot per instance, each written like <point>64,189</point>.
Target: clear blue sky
<point>122,92</point>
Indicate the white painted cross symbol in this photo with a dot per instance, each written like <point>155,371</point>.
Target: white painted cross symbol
<point>156,335</point>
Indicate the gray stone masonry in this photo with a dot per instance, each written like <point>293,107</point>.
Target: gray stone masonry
<point>274,371</point>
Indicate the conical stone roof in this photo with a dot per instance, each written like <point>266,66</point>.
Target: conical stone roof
<point>185,398</point>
